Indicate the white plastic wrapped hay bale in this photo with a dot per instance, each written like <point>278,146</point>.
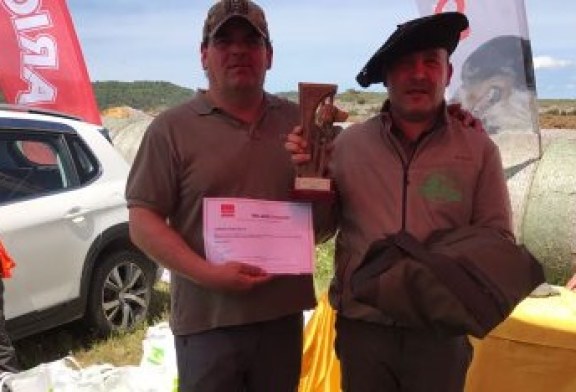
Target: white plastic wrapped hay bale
<point>520,152</point>
<point>549,224</point>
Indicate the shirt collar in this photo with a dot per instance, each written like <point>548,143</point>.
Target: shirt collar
<point>441,121</point>
<point>202,105</point>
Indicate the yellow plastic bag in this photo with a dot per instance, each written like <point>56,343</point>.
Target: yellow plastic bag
<point>320,367</point>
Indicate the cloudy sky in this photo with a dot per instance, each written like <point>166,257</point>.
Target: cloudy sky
<point>321,41</point>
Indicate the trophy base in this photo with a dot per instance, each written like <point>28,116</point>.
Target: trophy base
<point>312,189</point>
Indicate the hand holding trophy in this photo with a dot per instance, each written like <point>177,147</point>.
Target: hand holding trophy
<point>318,115</point>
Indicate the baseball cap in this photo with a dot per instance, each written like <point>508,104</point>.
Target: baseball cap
<point>224,10</point>
<point>432,31</point>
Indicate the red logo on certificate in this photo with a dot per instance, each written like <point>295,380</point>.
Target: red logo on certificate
<point>227,210</point>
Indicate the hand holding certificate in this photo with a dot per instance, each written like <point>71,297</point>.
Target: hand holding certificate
<point>275,236</point>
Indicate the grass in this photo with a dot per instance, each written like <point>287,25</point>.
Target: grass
<point>86,347</point>
<point>125,348</point>
<point>324,266</point>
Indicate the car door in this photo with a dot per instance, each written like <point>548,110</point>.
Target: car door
<point>42,221</point>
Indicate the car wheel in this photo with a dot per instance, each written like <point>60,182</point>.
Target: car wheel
<point>120,293</point>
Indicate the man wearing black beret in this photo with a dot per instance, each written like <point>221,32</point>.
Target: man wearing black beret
<point>413,167</point>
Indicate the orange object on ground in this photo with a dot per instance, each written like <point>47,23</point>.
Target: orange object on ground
<point>6,263</point>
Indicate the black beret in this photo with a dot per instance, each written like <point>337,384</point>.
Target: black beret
<point>434,31</point>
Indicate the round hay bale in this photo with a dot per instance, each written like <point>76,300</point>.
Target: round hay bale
<point>549,225</point>
<point>126,126</point>
<point>127,141</point>
<point>520,153</point>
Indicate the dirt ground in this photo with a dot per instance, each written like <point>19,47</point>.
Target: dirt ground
<point>551,121</point>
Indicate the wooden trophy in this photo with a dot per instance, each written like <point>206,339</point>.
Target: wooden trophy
<point>317,116</point>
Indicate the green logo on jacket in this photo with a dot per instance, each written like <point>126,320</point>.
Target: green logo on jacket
<point>439,187</point>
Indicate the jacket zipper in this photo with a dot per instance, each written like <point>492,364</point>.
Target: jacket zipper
<point>405,175</point>
<point>405,180</point>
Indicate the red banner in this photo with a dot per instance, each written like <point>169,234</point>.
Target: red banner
<point>41,63</point>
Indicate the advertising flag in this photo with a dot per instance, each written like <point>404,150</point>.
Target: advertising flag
<point>42,63</point>
<point>493,78</point>
<point>493,71</point>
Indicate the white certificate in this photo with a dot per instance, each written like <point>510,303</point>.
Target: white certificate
<point>276,236</point>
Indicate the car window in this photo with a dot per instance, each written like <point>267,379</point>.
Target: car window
<point>85,162</point>
<point>31,165</point>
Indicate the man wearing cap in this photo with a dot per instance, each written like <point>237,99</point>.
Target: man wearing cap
<point>236,327</point>
<point>413,167</point>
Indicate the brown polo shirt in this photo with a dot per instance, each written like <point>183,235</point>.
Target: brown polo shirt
<point>194,151</point>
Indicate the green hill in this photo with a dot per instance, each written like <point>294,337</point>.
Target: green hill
<point>149,96</point>
<point>154,96</point>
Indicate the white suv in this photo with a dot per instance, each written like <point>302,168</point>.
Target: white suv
<point>64,221</point>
